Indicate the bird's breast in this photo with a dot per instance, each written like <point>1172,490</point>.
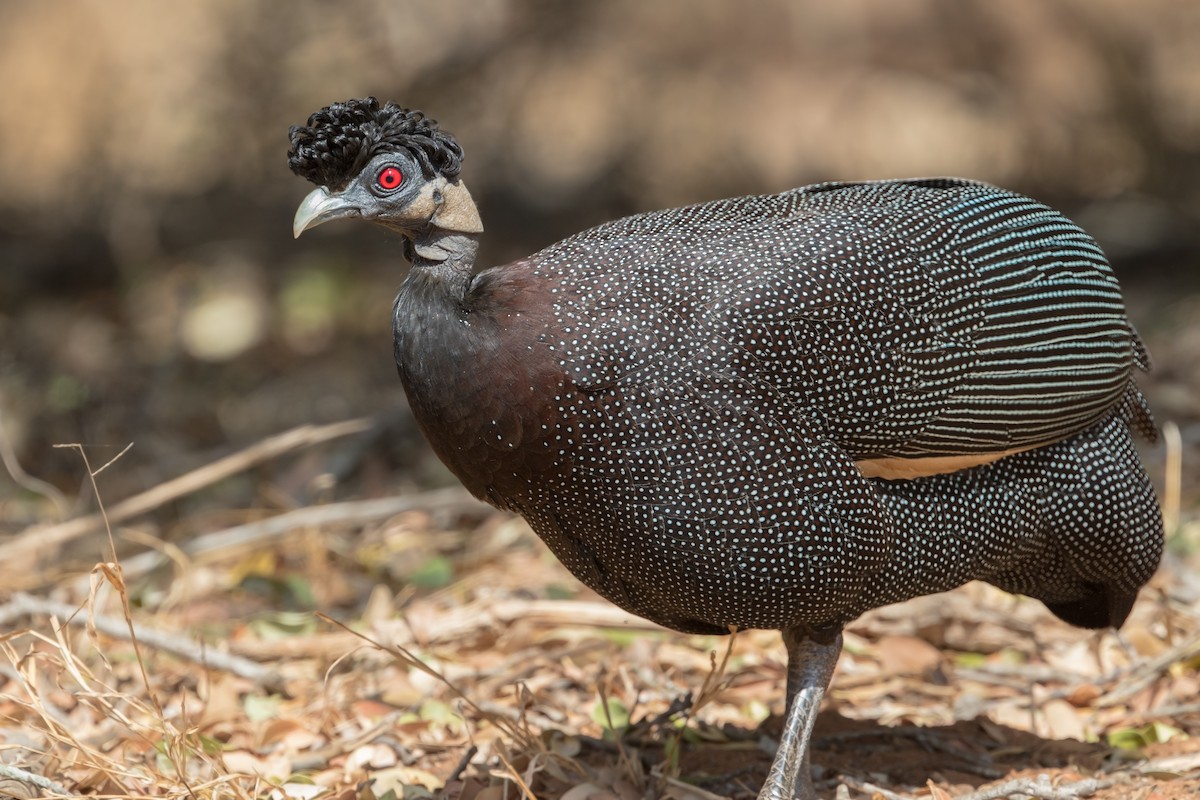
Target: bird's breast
<point>486,390</point>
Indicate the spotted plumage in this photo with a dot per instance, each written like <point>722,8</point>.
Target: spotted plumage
<point>704,411</point>
<point>704,380</point>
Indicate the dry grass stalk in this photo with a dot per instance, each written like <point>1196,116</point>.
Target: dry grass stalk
<point>40,542</point>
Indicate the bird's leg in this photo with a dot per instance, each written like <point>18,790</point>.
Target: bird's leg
<point>810,667</point>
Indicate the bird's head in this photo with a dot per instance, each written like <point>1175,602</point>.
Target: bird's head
<point>386,164</point>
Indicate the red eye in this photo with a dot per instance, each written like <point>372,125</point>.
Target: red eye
<point>390,178</point>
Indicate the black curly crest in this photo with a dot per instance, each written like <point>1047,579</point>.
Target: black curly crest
<point>341,138</point>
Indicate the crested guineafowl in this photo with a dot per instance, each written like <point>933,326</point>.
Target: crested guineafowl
<point>776,411</point>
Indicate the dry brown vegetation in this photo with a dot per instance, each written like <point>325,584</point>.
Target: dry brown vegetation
<point>198,671</point>
<point>285,596</point>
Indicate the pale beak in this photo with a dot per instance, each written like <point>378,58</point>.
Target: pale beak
<point>321,206</point>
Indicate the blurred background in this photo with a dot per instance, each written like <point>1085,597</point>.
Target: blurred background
<point>150,290</point>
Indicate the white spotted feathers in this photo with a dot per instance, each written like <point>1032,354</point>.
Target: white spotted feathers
<point>677,402</point>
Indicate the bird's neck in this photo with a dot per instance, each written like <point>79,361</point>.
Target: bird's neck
<point>446,257</point>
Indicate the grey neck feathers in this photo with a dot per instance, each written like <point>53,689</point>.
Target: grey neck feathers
<point>447,256</point>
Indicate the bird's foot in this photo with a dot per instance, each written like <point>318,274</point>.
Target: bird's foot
<point>801,790</point>
<point>810,666</point>
<point>790,777</point>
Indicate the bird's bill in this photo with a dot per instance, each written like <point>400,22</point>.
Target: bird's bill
<point>321,206</point>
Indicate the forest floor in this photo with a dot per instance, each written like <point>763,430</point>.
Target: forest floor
<point>205,670</point>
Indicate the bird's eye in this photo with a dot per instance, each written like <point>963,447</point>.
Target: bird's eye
<point>389,178</point>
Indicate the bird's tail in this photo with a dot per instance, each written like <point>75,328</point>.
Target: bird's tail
<point>1100,524</point>
<point>1074,524</point>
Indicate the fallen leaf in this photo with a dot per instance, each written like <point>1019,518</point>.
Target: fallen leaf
<point>291,734</point>
<point>907,655</point>
<point>1083,695</point>
<point>1062,720</point>
<point>399,777</point>
<point>371,757</point>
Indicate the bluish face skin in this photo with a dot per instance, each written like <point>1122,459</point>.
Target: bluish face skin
<point>391,190</point>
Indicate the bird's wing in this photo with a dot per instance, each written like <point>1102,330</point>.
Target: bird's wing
<point>701,500</point>
<point>906,320</point>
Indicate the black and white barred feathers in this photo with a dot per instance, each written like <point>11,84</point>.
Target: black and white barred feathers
<point>726,369</point>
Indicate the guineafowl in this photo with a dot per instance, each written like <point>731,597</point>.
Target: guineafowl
<point>775,411</point>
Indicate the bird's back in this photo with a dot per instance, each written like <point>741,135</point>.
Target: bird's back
<point>906,318</point>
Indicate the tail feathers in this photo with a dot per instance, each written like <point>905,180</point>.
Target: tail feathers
<point>1135,411</point>
<point>1133,407</point>
<point>1099,533</point>
<point>1141,356</point>
<point>1101,607</point>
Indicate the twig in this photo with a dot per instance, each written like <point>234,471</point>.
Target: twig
<point>26,481</point>
<point>21,604</point>
<point>1040,788</point>
<point>548,717</point>
<point>1180,764</point>
<point>687,788</point>
<point>515,776</point>
<point>112,571</point>
<point>21,776</point>
<point>54,712</point>
<point>1146,673</point>
<point>1019,675</point>
<point>570,612</point>
<point>1175,710</point>
<point>261,532</point>
<point>1172,476</point>
<point>714,683</point>
<point>404,656</point>
<point>102,467</point>
<point>457,626</point>
<point>869,788</point>
<point>41,541</point>
<point>462,763</point>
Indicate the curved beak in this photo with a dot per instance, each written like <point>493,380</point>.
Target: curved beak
<point>321,206</point>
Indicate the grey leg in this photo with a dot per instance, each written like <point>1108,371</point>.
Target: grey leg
<point>810,667</point>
